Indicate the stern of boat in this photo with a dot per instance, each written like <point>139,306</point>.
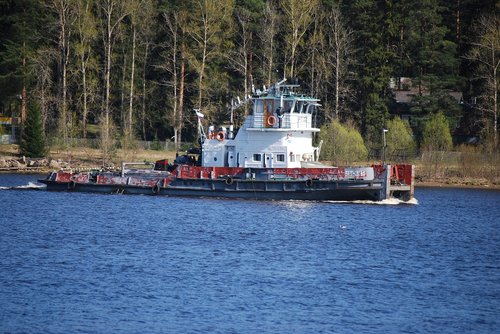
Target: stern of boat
<point>399,180</point>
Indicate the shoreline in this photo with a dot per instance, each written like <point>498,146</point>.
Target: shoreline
<point>446,183</point>
<point>88,159</point>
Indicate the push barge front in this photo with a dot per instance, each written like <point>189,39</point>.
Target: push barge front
<point>271,157</point>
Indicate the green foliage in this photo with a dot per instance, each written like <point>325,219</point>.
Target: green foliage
<point>128,141</point>
<point>374,66</point>
<point>422,40</point>
<point>156,145</point>
<point>33,138</point>
<point>434,103</point>
<point>436,134</point>
<point>21,22</point>
<point>209,27</point>
<point>399,139</point>
<point>342,143</point>
<point>432,55</point>
<point>375,115</point>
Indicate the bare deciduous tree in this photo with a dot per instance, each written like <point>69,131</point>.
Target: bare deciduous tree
<point>340,55</point>
<point>112,13</point>
<point>486,53</point>
<point>86,31</point>
<point>42,68</point>
<point>268,36</point>
<point>175,22</point>
<point>141,14</point>
<point>239,57</point>
<point>206,28</point>
<point>299,16</point>
<point>65,18</point>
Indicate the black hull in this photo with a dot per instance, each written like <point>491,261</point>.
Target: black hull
<point>241,189</point>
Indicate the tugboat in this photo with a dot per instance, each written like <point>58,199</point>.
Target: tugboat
<point>270,157</point>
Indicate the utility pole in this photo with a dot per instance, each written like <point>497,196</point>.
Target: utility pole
<point>384,148</point>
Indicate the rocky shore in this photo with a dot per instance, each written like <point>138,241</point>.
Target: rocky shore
<point>9,164</point>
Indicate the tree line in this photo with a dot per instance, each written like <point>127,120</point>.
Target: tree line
<point>134,69</point>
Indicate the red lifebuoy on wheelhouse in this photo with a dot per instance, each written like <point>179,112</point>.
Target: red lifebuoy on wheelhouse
<point>271,120</point>
<point>220,136</point>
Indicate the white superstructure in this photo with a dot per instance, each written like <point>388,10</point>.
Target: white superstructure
<point>277,134</point>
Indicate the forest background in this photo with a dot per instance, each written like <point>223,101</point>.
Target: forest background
<point>111,73</point>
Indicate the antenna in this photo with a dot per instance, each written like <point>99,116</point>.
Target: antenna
<point>201,131</point>
<point>281,82</point>
<point>231,127</point>
<point>253,87</point>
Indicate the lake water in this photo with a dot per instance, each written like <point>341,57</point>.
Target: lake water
<point>88,263</point>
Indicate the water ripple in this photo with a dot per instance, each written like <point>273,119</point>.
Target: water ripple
<point>73,262</point>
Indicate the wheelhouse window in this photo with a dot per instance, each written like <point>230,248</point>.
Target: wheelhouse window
<point>257,157</point>
<point>259,106</point>
<point>280,157</point>
<point>268,106</point>
<point>299,105</point>
<point>310,108</point>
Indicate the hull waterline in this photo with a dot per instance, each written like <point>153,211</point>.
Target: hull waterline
<point>309,189</point>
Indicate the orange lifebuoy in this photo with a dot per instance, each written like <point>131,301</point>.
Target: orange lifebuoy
<point>220,136</point>
<point>271,120</point>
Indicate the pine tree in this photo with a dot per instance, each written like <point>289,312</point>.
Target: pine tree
<point>374,67</point>
<point>433,56</point>
<point>33,138</point>
<point>21,23</point>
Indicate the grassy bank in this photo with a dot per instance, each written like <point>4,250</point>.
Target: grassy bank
<point>465,168</point>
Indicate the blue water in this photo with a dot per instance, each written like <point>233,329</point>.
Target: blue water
<point>74,262</point>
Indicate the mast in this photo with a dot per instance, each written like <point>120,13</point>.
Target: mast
<point>201,131</point>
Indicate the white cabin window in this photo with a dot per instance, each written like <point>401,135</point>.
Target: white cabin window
<point>292,158</point>
<point>280,157</point>
<point>257,157</point>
